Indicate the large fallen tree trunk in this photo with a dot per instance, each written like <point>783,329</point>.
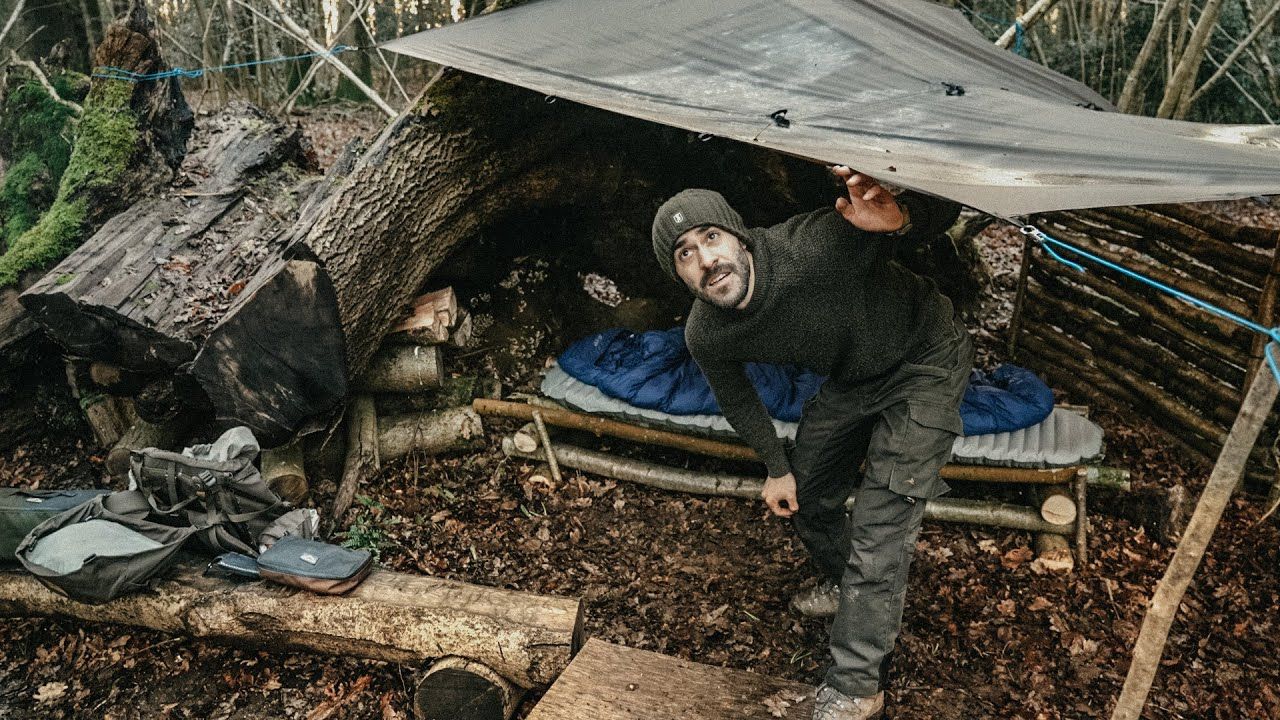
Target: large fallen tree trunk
<point>391,616</point>
<point>140,296</point>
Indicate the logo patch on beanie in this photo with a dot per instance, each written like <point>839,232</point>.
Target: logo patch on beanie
<point>677,218</point>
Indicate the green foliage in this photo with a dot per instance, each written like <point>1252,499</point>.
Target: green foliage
<point>372,528</point>
<point>107,139</point>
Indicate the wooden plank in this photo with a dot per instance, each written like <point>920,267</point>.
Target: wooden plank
<point>611,682</point>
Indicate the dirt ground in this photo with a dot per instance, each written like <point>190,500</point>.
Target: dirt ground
<point>705,579</point>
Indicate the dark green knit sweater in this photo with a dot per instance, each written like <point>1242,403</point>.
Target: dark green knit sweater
<point>828,297</point>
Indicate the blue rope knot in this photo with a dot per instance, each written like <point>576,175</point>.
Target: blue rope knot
<point>1047,243</point>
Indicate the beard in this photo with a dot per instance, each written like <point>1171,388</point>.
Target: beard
<point>729,292</point>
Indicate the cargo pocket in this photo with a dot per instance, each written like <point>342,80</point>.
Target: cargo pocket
<point>922,448</point>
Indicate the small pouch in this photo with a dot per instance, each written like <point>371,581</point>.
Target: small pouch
<point>313,565</point>
<point>234,565</point>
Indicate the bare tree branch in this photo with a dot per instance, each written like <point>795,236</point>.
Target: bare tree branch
<point>1184,74</point>
<point>1243,45</point>
<point>300,33</point>
<point>359,14</point>
<point>1026,20</point>
<point>13,18</point>
<point>1128,101</point>
<point>287,106</point>
<point>44,81</point>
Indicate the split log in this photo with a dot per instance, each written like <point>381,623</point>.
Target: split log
<point>362,453</point>
<point>284,472</point>
<point>433,433</point>
<point>403,369</point>
<point>526,438</point>
<point>526,638</point>
<point>1053,553</point>
<point>456,688</point>
<point>1224,479</point>
<point>701,483</point>
<point>142,434</point>
<point>430,321</point>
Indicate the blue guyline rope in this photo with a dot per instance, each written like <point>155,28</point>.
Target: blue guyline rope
<point>115,73</point>
<point>1047,243</point>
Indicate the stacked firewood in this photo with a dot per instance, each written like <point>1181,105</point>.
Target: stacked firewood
<point>1113,340</point>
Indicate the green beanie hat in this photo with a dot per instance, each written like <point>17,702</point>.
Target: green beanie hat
<point>690,209</point>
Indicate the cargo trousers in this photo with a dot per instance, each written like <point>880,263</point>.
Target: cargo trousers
<point>903,424</point>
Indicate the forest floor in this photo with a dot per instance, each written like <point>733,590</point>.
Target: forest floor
<point>704,579</point>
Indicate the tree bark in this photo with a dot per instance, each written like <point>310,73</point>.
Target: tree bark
<point>1130,100</point>
<point>403,369</point>
<point>526,638</point>
<point>432,433</point>
<point>1182,82</point>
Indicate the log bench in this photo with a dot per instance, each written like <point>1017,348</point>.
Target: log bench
<point>612,682</point>
<point>488,644</point>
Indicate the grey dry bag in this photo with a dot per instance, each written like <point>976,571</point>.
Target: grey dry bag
<point>22,509</point>
<point>102,549</point>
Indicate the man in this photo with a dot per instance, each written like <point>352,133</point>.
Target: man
<point>822,290</point>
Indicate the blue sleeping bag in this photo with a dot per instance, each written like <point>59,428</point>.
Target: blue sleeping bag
<point>654,370</point>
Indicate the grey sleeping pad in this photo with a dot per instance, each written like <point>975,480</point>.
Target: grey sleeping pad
<point>215,488</point>
<point>22,509</point>
<point>102,549</point>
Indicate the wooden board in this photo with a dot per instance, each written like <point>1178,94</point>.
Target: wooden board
<point>611,682</point>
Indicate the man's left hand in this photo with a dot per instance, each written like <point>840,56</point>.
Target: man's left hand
<point>869,206</point>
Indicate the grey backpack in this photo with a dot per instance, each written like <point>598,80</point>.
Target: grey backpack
<point>102,549</point>
<point>226,501</point>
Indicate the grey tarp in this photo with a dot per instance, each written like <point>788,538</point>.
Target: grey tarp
<point>866,84</point>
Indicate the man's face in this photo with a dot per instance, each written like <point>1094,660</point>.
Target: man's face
<point>715,265</point>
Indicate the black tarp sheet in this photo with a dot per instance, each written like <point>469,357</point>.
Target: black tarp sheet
<point>905,90</point>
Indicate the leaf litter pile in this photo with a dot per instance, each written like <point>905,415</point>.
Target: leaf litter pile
<point>986,633</point>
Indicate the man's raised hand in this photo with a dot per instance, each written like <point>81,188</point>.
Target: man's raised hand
<point>869,206</point>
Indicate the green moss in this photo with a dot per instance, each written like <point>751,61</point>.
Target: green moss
<point>27,190</point>
<point>35,138</point>
<point>106,141</point>
<point>56,234</point>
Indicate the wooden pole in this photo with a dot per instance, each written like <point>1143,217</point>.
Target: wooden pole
<point>1226,474</point>
<point>545,438</point>
<point>362,453</point>
<point>975,512</point>
<point>1020,300</point>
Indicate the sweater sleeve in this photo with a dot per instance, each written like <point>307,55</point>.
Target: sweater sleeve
<point>742,406</point>
<point>930,216</point>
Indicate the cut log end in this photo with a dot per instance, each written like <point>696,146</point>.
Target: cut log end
<point>455,688</point>
<point>1053,554</point>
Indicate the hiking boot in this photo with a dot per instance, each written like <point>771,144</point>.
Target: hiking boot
<point>831,704</point>
<point>820,601</point>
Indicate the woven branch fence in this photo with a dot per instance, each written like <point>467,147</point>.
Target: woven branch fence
<point>1115,341</point>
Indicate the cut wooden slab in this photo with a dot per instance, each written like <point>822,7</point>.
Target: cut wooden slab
<point>611,682</point>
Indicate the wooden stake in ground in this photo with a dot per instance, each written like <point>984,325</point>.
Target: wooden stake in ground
<point>545,438</point>
<point>362,453</point>
<point>1168,595</point>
